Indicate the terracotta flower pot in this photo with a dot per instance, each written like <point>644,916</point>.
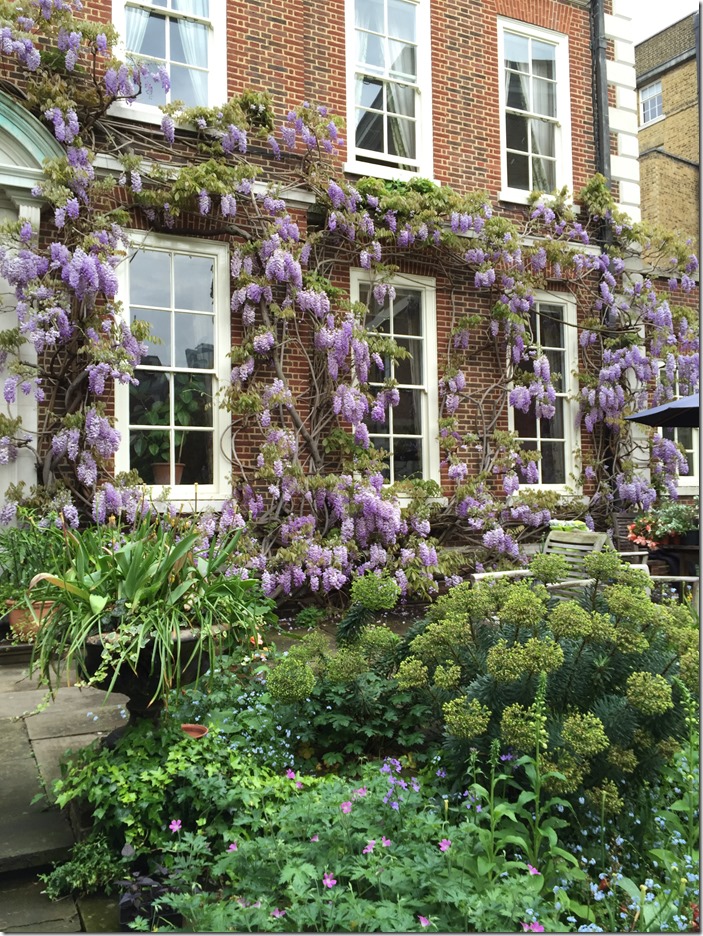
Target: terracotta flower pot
<point>25,622</point>
<point>194,731</point>
<point>162,472</point>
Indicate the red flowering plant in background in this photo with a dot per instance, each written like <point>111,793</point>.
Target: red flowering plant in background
<point>640,532</point>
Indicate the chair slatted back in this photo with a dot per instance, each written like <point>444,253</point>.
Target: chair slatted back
<point>574,546</point>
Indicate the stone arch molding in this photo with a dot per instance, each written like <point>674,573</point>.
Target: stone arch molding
<point>24,146</point>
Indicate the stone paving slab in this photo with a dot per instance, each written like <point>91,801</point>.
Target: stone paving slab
<point>69,714</point>
<point>24,909</point>
<point>14,704</point>
<point>14,677</point>
<point>33,840</point>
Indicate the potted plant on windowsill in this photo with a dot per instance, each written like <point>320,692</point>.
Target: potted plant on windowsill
<point>141,611</point>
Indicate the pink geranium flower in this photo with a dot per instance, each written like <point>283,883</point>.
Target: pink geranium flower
<point>328,880</point>
<point>232,847</point>
<point>532,869</point>
<point>346,807</point>
<point>369,848</point>
<point>423,920</point>
<point>175,825</point>
<point>445,844</point>
<point>534,927</point>
<point>385,842</point>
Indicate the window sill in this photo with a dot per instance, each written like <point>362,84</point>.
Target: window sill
<point>184,496</point>
<point>650,123</point>
<point>385,172</point>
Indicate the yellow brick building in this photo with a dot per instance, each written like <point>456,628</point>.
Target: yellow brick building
<point>666,66</point>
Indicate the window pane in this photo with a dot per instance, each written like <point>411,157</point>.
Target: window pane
<point>517,52</point>
<point>407,415</point>
<point>194,7</point>
<point>407,315</point>
<point>407,459</point>
<point>516,132</point>
<point>551,332</point>
<point>369,131</point>
<point>148,401</point>
<point>369,14</point>
<point>543,174</point>
<point>159,351</point>
<point>518,171</point>
<point>543,59</point>
<point>409,371</point>
<point>193,282</point>
<point>557,365</point>
<point>518,90</point>
<point>376,375</point>
<point>188,42</point>
<point>192,400</point>
<point>184,82</point>
<point>525,424</point>
<point>150,278</point>
<point>542,138</point>
<point>369,93</point>
<point>401,100</point>
<point>194,452</point>
<point>401,20</point>
<point>146,449</point>
<point>544,97</point>
<point>379,317</point>
<point>370,51</point>
<point>401,59</point>
<point>153,40</point>
<point>401,137</point>
<point>553,468</point>
<point>553,428</point>
<point>195,341</point>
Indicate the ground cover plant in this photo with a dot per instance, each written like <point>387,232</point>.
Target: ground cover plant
<point>283,818</point>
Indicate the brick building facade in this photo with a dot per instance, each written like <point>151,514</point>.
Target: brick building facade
<point>667,83</point>
<point>496,95</point>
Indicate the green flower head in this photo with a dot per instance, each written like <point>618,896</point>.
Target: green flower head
<point>290,681</point>
<point>412,674</point>
<point>603,565</point>
<point>375,592</point>
<point>584,734</point>
<point>569,619</point>
<point>523,607</point>
<point>549,568</point>
<point>346,665</point>
<point>649,692</point>
<point>466,719</point>
<point>447,677</point>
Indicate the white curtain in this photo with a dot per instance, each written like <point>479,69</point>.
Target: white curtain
<point>137,21</point>
<point>194,39</point>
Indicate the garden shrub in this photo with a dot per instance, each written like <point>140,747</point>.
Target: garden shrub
<point>611,654</point>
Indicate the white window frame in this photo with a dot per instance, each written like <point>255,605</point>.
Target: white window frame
<point>430,392</point>
<point>423,104</point>
<point>140,109</point>
<point>562,142</point>
<point>572,431</point>
<point>688,485</point>
<point>202,495</point>
<point>649,94</point>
